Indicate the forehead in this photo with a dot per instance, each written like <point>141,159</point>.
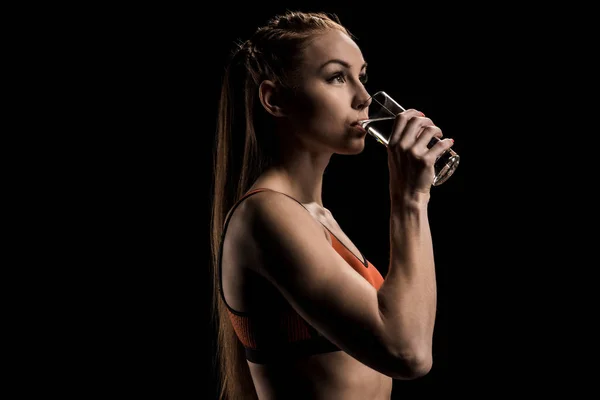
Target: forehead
<point>333,44</point>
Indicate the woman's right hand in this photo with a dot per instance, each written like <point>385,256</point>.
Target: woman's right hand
<point>410,161</point>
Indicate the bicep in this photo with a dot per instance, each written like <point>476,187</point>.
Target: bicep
<point>317,282</point>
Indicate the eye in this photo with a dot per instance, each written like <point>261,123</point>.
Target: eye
<point>339,77</point>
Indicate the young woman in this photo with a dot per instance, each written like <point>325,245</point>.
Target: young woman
<point>301,314</point>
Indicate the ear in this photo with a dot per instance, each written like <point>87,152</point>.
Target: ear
<point>270,98</point>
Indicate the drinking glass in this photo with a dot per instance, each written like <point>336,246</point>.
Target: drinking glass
<point>382,113</point>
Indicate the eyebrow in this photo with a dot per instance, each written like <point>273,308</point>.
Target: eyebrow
<point>341,62</point>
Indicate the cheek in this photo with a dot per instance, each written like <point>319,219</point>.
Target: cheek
<point>318,112</point>
<point>321,120</point>
<point>323,111</point>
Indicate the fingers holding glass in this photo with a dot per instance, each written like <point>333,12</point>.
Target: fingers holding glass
<point>384,120</point>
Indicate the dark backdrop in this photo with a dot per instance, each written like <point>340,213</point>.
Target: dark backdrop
<point>156,78</point>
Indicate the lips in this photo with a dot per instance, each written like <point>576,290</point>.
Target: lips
<point>356,125</point>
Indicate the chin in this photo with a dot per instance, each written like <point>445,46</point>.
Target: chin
<point>353,146</point>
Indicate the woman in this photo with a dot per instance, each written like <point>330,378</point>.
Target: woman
<point>300,312</point>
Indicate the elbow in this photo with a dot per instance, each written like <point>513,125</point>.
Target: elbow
<point>412,363</point>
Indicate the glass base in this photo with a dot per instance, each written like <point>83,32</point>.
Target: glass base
<point>445,167</point>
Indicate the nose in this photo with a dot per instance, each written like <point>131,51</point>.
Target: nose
<point>363,100</point>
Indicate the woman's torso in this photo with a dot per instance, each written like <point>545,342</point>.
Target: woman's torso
<point>329,375</point>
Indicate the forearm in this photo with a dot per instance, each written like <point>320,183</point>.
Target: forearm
<point>407,298</point>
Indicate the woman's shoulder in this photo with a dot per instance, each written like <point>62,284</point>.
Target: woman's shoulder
<point>264,205</point>
<point>266,209</point>
<point>266,225</point>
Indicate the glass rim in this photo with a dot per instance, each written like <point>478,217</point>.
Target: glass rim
<point>387,97</point>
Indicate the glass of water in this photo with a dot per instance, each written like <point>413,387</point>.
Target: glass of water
<point>382,113</point>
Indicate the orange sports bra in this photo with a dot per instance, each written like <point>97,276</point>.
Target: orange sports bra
<point>279,333</point>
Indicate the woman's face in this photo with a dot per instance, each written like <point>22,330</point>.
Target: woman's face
<point>330,95</point>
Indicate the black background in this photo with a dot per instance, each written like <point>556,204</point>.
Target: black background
<point>151,78</point>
